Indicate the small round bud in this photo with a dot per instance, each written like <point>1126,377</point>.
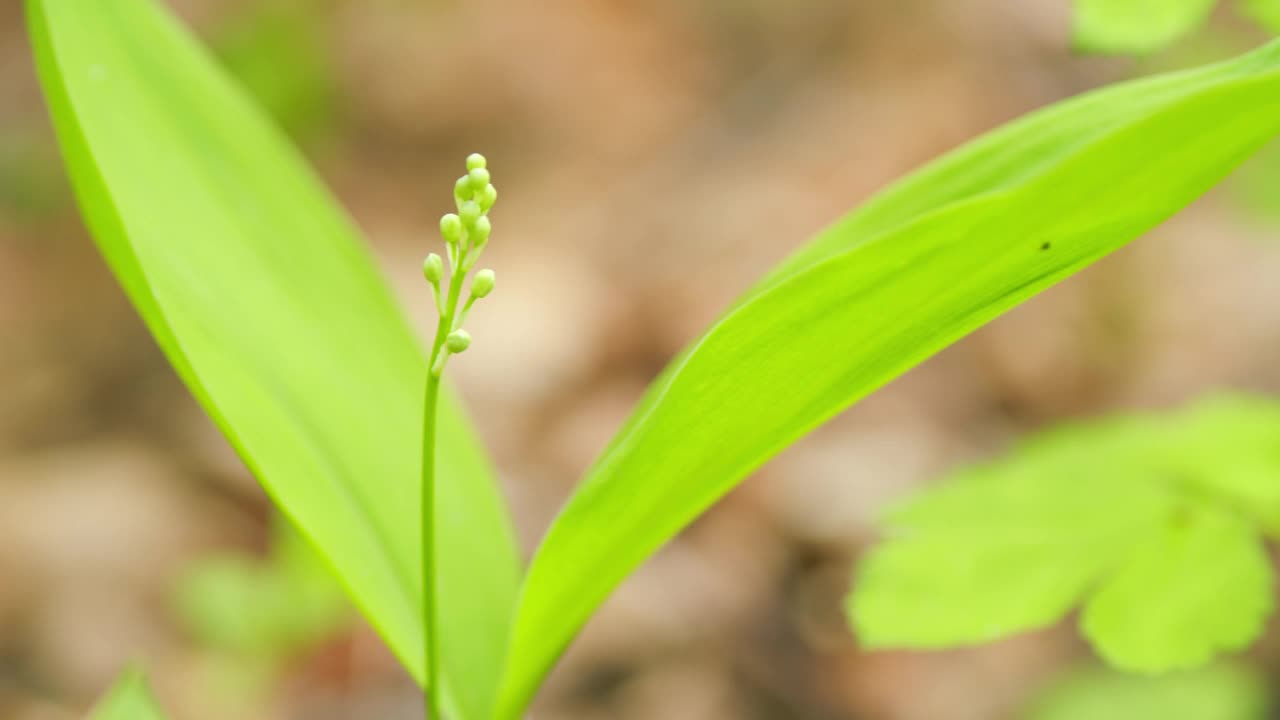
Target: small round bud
<point>457,341</point>
<point>487,196</point>
<point>470,213</point>
<point>433,269</point>
<point>483,283</point>
<point>480,231</point>
<point>451,228</point>
<point>462,189</point>
<point>479,178</point>
<point>476,160</point>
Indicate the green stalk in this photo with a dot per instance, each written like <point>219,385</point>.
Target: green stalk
<point>465,235</point>
<point>430,610</point>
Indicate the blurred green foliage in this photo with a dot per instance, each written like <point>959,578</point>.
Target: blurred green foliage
<point>1142,27</point>
<point>1135,26</point>
<point>1265,12</point>
<point>1257,185</point>
<point>275,50</point>
<point>1154,522</point>
<point>255,614</point>
<point>129,699</point>
<point>1223,692</point>
<point>32,184</point>
<point>256,607</point>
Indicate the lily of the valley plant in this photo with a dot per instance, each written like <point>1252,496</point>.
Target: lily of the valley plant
<point>258,289</point>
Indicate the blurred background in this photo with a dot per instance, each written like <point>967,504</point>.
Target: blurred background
<point>654,160</point>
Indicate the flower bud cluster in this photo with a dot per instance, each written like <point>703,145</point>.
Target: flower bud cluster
<point>465,233</point>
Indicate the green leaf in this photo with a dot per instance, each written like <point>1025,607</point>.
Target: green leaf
<point>939,255</point>
<point>1005,549</point>
<point>1200,586</point>
<point>1266,12</point>
<point>256,286</point>
<point>262,610</point>
<point>1007,157</point>
<point>1152,509</point>
<point>223,601</point>
<point>1136,26</point>
<point>1229,447</point>
<point>1223,692</point>
<point>128,700</point>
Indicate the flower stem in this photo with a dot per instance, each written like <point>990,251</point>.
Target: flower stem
<point>430,605</point>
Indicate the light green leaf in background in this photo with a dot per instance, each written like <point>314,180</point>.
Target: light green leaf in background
<point>257,288</point>
<point>1149,521</point>
<point>1266,12</point>
<point>1228,446</point>
<point>1001,551</point>
<point>1254,188</point>
<point>1221,692</point>
<point>1199,586</point>
<point>254,617</point>
<point>128,700</point>
<point>1135,27</point>
<point>264,609</point>
<point>939,255</point>
<point>274,51</point>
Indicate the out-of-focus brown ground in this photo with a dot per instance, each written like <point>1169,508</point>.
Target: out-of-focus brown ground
<point>654,159</point>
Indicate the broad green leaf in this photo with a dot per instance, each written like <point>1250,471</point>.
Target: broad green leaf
<point>1266,12</point>
<point>128,700</point>
<point>1221,692</point>
<point>1136,26</point>
<point>1006,157</point>
<point>1200,586</point>
<point>258,290</point>
<point>936,257</point>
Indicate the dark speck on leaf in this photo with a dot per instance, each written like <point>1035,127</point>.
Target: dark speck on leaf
<point>1045,246</point>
